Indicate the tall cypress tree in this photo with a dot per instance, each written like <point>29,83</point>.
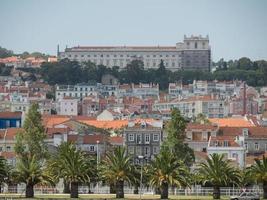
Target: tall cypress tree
<point>30,141</point>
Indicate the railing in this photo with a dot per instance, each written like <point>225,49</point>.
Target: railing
<point>193,191</point>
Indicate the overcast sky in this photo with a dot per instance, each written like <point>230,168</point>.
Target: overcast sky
<point>236,28</point>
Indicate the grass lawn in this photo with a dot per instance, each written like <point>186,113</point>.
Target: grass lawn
<point>105,196</point>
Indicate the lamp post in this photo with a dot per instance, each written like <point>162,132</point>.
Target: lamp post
<point>97,161</point>
<point>141,176</point>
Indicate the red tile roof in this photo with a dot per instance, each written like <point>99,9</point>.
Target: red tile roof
<point>191,126</point>
<point>10,115</point>
<point>10,133</point>
<point>116,140</point>
<point>232,122</point>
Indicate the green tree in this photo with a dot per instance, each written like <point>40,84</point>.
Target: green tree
<point>31,150</point>
<point>70,164</point>
<point>116,169</point>
<point>201,119</point>
<point>4,172</point>
<point>5,53</point>
<point>218,172</point>
<point>162,77</point>
<point>30,141</point>
<point>175,139</point>
<point>259,172</point>
<point>134,72</point>
<point>31,171</point>
<point>166,171</point>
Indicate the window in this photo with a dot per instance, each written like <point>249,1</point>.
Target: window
<point>92,148</point>
<point>8,148</point>
<point>147,151</point>
<point>138,139</point>
<point>225,143</point>
<point>246,146</point>
<point>138,151</point>
<point>131,137</point>
<point>256,146</point>
<point>195,45</point>
<point>130,149</point>
<point>155,150</point>
<point>1,149</point>
<point>265,147</point>
<point>147,138</point>
<point>155,137</point>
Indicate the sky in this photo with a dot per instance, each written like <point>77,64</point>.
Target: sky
<point>236,28</point>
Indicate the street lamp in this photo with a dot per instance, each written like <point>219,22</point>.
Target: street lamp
<point>141,176</point>
<point>97,161</point>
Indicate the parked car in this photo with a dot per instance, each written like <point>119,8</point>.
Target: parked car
<point>246,196</point>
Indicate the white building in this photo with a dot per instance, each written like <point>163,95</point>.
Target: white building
<point>191,107</point>
<point>68,106</point>
<point>76,91</point>
<point>229,148</point>
<point>192,53</point>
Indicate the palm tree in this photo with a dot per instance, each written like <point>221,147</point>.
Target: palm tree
<point>218,172</point>
<point>166,170</point>
<point>259,172</point>
<point>31,172</point>
<point>70,164</point>
<point>116,169</point>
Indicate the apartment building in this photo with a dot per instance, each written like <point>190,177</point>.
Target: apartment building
<point>143,139</point>
<point>208,105</point>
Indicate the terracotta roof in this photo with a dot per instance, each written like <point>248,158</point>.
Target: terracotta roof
<point>115,124</point>
<point>52,120</point>
<point>191,126</point>
<point>8,155</point>
<point>10,133</point>
<point>254,132</point>
<point>231,122</point>
<point>10,115</point>
<point>115,140</point>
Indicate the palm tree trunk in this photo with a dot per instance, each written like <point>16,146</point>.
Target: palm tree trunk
<point>216,192</point>
<point>119,189</point>
<point>135,189</point>
<point>112,189</point>
<point>164,191</point>
<point>66,189</point>
<point>29,191</point>
<point>264,185</point>
<point>74,190</point>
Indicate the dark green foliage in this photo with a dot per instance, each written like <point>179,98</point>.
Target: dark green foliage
<point>5,70</point>
<point>166,171</point>
<point>5,53</point>
<point>218,172</point>
<point>175,139</point>
<point>30,142</point>
<point>259,173</point>
<point>117,169</point>
<point>72,72</point>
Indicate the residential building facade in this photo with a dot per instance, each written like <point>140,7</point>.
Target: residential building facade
<point>143,139</point>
